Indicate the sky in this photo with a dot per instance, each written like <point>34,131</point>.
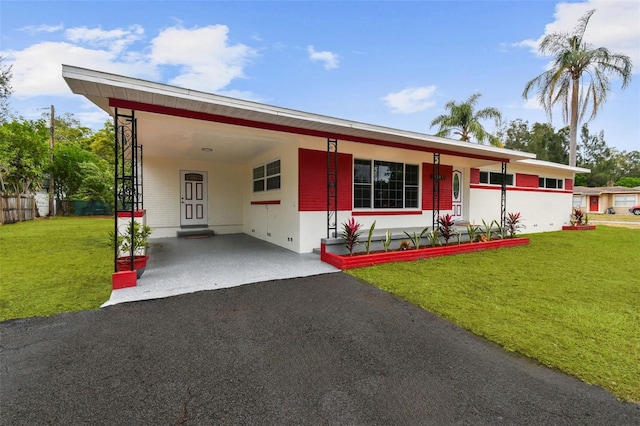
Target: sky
<point>392,63</point>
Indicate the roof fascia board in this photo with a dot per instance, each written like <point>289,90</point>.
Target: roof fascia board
<point>550,165</point>
<point>157,109</point>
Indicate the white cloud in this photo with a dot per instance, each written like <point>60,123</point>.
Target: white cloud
<point>202,58</point>
<point>411,100</point>
<point>37,69</point>
<point>116,40</point>
<point>330,59</point>
<point>614,25</point>
<point>35,29</point>
<point>206,60</point>
<point>241,94</point>
<point>532,104</point>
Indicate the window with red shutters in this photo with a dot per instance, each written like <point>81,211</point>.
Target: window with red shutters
<point>312,180</point>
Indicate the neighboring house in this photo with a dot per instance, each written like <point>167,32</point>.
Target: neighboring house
<point>605,199</point>
<point>291,177</point>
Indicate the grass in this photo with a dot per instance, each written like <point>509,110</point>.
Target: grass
<point>569,300</point>
<point>630,218</point>
<point>49,266</point>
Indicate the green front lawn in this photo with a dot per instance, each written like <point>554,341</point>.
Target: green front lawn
<point>570,300</point>
<point>49,266</point>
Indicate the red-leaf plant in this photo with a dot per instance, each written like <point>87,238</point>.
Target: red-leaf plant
<point>577,217</point>
<point>445,227</point>
<point>350,233</point>
<point>514,223</point>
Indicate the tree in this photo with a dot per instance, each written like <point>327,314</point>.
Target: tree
<point>24,155</point>
<point>629,182</point>
<point>463,121</point>
<point>5,90</point>
<point>66,168</point>
<point>541,139</point>
<point>102,142</point>
<point>594,154</point>
<point>574,60</point>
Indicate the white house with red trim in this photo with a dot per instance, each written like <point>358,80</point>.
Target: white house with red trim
<point>234,166</point>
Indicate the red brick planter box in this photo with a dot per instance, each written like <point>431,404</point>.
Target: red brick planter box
<point>578,227</point>
<point>361,260</point>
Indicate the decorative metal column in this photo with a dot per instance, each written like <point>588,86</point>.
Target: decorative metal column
<point>503,196</point>
<point>127,172</point>
<point>332,188</point>
<point>436,189</point>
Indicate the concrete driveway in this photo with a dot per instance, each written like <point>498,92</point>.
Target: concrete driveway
<point>181,265</point>
<point>325,349</point>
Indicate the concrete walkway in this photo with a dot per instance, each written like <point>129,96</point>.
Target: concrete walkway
<point>180,265</point>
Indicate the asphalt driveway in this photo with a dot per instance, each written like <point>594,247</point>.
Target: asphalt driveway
<point>325,349</point>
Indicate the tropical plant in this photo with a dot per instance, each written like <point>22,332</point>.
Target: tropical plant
<point>487,229</point>
<point>514,223</point>
<point>368,243</point>
<point>463,121</point>
<point>473,231</point>
<point>350,233</point>
<point>131,238</point>
<point>575,60</point>
<point>446,227</point>
<point>433,237</point>
<point>577,217</point>
<point>415,238</point>
<point>386,241</point>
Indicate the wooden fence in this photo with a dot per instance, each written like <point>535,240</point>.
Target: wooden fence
<point>17,207</point>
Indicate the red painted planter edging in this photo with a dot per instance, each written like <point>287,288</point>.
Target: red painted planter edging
<point>361,260</point>
<point>578,227</point>
<point>139,264</point>
<point>123,279</point>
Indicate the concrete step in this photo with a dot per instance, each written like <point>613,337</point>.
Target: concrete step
<point>195,233</point>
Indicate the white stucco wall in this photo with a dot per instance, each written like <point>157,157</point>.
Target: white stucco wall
<point>275,223</point>
<point>162,195</point>
<point>230,195</point>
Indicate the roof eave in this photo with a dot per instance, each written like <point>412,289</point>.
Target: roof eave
<point>77,79</point>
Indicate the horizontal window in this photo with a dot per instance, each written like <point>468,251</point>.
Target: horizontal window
<point>624,200</point>
<point>266,177</point>
<point>577,201</point>
<point>550,183</point>
<point>385,185</point>
<point>495,178</point>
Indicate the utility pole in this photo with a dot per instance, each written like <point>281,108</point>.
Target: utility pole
<point>51,143</point>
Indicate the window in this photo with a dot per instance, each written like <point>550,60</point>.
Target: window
<point>266,177</point>
<point>577,201</point>
<point>550,183</point>
<point>385,185</point>
<point>495,178</point>
<point>624,200</point>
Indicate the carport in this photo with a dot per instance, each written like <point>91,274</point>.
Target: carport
<point>187,265</point>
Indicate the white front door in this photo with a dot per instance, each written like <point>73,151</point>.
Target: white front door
<point>193,198</point>
<point>456,188</point>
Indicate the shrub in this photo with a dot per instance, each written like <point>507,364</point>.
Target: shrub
<point>350,233</point>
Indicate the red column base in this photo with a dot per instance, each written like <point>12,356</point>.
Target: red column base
<point>123,279</point>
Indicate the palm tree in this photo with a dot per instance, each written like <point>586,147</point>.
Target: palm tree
<point>464,122</point>
<point>575,59</point>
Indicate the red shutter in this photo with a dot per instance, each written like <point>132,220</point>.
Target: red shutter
<point>475,176</point>
<point>312,180</point>
<point>526,181</point>
<point>446,189</point>
<point>568,184</point>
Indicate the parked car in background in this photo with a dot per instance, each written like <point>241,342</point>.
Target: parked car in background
<point>635,210</point>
